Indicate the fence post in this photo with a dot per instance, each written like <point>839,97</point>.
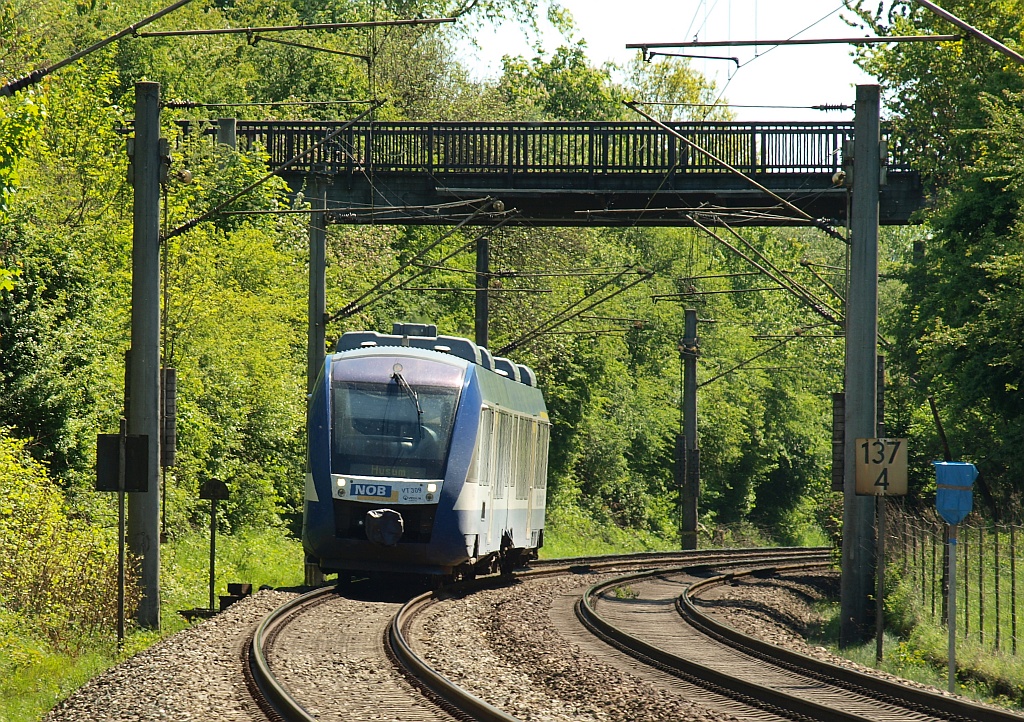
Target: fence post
<point>1013,587</point>
<point>919,536</point>
<point>981,582</point>
<point>996,574</point>
<point>967,581</point>
<point>934,575</point>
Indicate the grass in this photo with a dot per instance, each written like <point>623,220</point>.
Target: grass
<point>34,676</point>
<point>571,533</point>
<point>921,656</point>
<point>258,557</point>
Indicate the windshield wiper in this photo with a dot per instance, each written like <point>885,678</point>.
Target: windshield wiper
<point>403,384</point>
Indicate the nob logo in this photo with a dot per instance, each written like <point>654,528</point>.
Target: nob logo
<point>371,490</point>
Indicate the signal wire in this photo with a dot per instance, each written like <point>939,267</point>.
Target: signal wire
<point>552,323</point>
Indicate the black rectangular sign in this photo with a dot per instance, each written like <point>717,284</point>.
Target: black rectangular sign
<point>136,462</point>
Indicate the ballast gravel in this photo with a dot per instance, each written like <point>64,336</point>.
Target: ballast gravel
<point>195,674</point>
<point>500,644</point>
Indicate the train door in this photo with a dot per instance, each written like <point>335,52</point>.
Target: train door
<point>540,476</point>
<point>503,468</point>
<point>524,478</point>
<point>485,472</point>
<point>532,437</point>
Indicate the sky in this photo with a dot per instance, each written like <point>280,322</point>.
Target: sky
<point>767,76</point>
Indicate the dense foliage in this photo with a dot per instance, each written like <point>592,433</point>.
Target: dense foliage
<point>51,569</point>
<point>235,285</point>
<point>956,330</point>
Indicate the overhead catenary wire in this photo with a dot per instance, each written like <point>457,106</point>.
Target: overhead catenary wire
<point>191,105</point>
<point>548,327</point>
<point>740,365</point>
<point>359,56</point>
<point>645,47</point>
<point>293,28</point>
<point>732,169</point>
<point>352,306</point>
<point>344,210</point>
<point>378,292</point>
<point>471,243</point>
<point>668,104</point>
<point>988,40</point>
<point>757,55</point>
<point>13,86</point>
<point>557,319</point>
<point>816,305</point>
<point>797,288</point>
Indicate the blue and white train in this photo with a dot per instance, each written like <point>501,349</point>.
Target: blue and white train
<point>426,455</point>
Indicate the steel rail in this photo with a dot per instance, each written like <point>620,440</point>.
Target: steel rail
<point>466,702</point>
<point>435,681</point>
<point>274,695</point>
<point>751,693</point>
<point>917,699</point>
<point>279,704</point>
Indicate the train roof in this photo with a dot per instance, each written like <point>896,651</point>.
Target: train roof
<point>424,336</point>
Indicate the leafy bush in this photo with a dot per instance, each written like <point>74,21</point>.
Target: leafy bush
<point>59,575</point>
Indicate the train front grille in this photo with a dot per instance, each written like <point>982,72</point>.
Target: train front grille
<point>350,519</point>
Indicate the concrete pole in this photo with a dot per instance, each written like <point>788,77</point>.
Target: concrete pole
<point>144,374</point>
<point>316,344</point>
<point>691,456</point>
<point>317,338</point>
<point>861,334</point>
<point>483,280</point>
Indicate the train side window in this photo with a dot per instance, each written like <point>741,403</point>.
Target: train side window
<point>543,437</point>
<point>524,467</point>
<point>504,462</point>
<point>483,468</point>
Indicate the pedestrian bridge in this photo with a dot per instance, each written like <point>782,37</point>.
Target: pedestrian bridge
<point>576,173</point>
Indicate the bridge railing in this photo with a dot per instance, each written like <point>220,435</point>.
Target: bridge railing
<point>598,148</point>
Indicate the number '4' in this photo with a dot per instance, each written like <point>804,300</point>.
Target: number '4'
<point>883,478</point>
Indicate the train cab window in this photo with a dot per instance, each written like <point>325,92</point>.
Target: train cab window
<point>391,426</point>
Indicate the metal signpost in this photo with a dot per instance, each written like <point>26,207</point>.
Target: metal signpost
<point>881,471</point>
<point>215,490</point>
<point>122,464</point>
<point>954,481</point>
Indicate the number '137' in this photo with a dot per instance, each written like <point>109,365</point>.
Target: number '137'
<point>874,450</point>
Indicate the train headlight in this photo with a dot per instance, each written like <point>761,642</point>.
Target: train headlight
<point>340,482</point>
<point>431,488</point>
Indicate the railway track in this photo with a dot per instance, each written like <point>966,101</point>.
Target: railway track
<point>727,662</point>
<point>350,659</point>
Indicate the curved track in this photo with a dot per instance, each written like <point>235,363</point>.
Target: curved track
<point>645,624</point>
<point>735,674</point>
<point>323,657</point>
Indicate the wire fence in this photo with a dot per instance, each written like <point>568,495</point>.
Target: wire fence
<point>988,560</point>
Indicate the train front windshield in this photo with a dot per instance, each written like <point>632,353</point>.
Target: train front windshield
<point>393,417</point>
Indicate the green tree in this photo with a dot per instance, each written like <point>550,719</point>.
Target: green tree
<point>934,90</point>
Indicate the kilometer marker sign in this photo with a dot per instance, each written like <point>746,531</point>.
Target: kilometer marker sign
<point>881,467</point>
